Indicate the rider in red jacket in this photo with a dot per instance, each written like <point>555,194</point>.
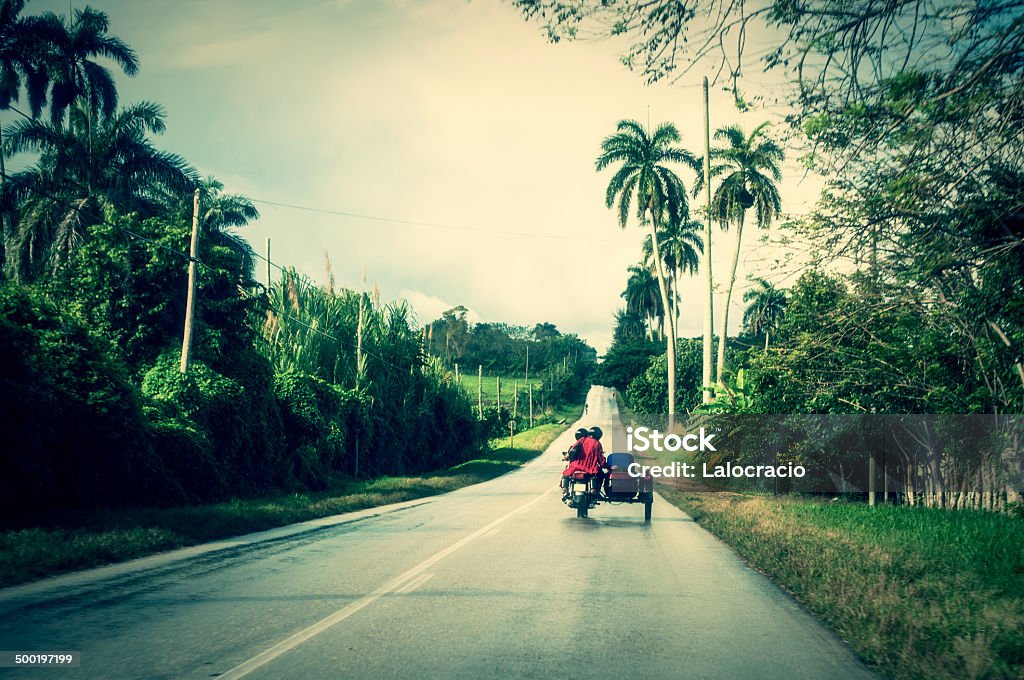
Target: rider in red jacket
<point>592,461</point>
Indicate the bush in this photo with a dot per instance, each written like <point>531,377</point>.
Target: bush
<point>320,424</point>
<point>74,432</point>
<point>240,420</point>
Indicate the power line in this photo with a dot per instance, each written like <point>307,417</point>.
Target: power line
<point>241,290</point>
<point>432,225</point>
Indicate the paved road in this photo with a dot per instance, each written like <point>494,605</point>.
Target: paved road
<point>494,580</point>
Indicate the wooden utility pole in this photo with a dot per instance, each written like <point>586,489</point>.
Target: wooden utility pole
<point>268,266</point>
<point>527,362</point>
<point>515,401</point>
<point>709,307</point>
<point>190,303</point>
<point>480,390</point>
<point>871,480</point>
<point>531,404</point>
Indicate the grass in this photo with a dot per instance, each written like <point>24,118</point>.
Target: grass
<point>916,592</point>
<point>105,538</point>
<point>490,389</point>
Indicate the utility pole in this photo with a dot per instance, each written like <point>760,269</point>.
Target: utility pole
<point>498,379</point>
<point>515,401</point>
<point>527,362</point>
<point>190,304</point>
<point>480,390</point>
<point>709,308</point>
<point>359,351</point>
<point>531,404</point>
<point>268,266</point>
<point>457,373</point>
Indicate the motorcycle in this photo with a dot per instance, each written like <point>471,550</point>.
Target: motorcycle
<point>585,491</point>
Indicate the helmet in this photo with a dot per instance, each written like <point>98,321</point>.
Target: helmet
<point>582,432</point>
<point>596,432</point>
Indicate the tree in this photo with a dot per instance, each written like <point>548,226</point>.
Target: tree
<point>643,297</point>
<point>629,326</point>
<point>83,168</point>
<point>73,71</point>
<point>643,177</point>
<point>766,306</point>
<point>749,168</point>
<point>681,247</point>
<point>23,45</point>
<point>220,213</point>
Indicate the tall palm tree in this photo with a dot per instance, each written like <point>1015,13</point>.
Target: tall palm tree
<point>24,44</point>
<point>643,178</point>
<point>75,74</point>
<point>681,248</point>
<point>643,297</point>
<point>766,305</point>
<point>220,214</point>
<point>83,168</point>
<point>749,169</point>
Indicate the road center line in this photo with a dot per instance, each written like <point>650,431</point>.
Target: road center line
<point>414,584</point>
<point>268,655</point>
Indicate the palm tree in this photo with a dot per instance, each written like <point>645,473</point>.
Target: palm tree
<point>766,305</point>
<point>681,248</point>
<point>24,42</point>
<point>645,179</point>
<point>629,326</point>
<point>220,213</point>
<point>643,297</point>
<point>75,75</point>
<point>749,168</point>
<point>83,168</point>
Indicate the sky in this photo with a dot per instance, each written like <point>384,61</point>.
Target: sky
<point>456,116</point>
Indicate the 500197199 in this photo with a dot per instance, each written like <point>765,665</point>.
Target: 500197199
<point>39,659</point>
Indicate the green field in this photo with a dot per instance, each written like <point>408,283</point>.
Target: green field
<point>916,592</point>
<point>490,388</point>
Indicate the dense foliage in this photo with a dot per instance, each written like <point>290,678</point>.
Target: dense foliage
<point>288,388</point>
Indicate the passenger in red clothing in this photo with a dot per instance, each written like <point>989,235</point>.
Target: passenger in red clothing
<point>572,454</point>
<point>592,461</point>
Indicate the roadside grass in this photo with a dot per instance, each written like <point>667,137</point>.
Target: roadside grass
<point>108,537</point>
<point>916,592</point>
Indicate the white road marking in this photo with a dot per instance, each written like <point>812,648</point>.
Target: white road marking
<point>268,655</point>
<point>414,584</point>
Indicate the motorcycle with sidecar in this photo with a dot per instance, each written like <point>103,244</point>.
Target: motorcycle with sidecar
<point>586,490</point>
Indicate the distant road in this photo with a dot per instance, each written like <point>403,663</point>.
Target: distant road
<point>497,580</point>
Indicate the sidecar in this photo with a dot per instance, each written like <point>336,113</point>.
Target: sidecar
<point>622,487</point>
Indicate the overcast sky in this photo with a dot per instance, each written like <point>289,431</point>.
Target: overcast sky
<point>457,114</point>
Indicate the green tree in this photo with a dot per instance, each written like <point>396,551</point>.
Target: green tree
<point>681,248</point>
<point>644,178</point>
<point>220,214</point>
<point>84,168</point>
<point>643,297</point>
<point>629,326</point>
<point>748,166</point>
<point>23,45</point>
<point>766,305</point>
<point>74,72</point>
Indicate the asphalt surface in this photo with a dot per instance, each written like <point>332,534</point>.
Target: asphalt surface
<point>494,580</point>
